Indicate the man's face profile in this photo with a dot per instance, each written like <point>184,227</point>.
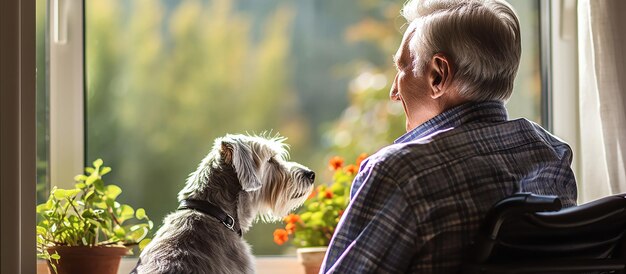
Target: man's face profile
<point>408,87</point>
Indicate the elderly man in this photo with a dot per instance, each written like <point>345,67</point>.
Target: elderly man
<point>416,205</point>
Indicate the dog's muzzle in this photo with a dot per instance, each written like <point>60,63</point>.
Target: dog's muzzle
<point>310,175</point>
<point>308,178</point>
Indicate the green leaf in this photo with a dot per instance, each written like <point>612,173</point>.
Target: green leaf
<point>49,213</point>
<point>90,170</point>
<point>112,191</point>
<point>337,188</point>
<point>98,163</point>
<point>91,179</point>
<point>59,194</point>
<point>340,201</point>
<point>119,231</point>
<point>55,256</point>
<point>114,239</point>
<point>93,222</point>
<point>80,177</point>
<point>99,185</point>
<point>42,207</point>
<point>80,185</point>
<point>101,205</point>
<point>313,207</point>
<point>140,214</point>
<point>74,219</point>
<point>50,202</point>
<point>41,230</point>
<point>66,222</point>
<point>89,194</point>
<point>105,170</point>
<point>138,226</point>
<point>110,203</point>
<point>88,214</point>
<point>73,192</point>
<point>125,212</point>
<point>144,243</point>
<point>317,218</point>
<point>137,234</point>
<point>306,216</point>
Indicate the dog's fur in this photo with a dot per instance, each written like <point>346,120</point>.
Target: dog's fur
<point>247,177</point>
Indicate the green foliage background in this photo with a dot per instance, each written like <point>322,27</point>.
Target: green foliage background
<point>164,78</point>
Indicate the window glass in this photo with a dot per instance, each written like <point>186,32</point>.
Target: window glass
<point>526,99</point>
<point>164,78</point>
<point>41,96</point>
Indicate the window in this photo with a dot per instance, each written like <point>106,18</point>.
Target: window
<point>527,93</point>
<point>42,99</point>
<point>163,79</point>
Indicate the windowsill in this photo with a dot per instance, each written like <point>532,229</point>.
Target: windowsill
<point>264,265</point>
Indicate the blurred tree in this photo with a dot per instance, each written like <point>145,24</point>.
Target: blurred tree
<point>371,121</point>
<point>164,78</point>
<point>162,84</point>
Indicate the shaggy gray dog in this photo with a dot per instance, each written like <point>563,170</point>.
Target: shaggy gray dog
<point>242,178</point>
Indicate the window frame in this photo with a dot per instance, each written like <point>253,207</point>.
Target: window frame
<point>563,75</point>
<point>67,100</point>
<point>17,137</point>
<point>545,53</point>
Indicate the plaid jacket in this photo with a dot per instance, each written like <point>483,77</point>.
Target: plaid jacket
<point>417,204</point>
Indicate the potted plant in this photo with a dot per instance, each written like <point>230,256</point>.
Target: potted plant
<point>312,227</point>
<point>84,230</point>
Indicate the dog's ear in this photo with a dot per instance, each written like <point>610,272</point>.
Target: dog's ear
<point>226,151</point>
<point>240,156</point>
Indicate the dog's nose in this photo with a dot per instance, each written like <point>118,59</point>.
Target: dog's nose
<point>310,175</point>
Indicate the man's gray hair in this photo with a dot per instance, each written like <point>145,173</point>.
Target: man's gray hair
<point>481,36</point>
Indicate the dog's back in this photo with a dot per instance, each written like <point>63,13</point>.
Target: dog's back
<point>192,242</point>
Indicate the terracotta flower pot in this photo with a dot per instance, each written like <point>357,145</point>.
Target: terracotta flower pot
<point>84,259</point>
<point>311,258</point>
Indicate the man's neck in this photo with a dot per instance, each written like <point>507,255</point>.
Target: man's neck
<point>435,107</point>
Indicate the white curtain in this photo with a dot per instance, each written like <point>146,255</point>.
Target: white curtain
<point>602,85</point>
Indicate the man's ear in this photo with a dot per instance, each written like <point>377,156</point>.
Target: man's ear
<point>240,156</point>
<point>440,75</point>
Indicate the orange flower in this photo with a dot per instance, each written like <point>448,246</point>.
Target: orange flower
<point>351,169</point>
<point>292,218</point>
<point>335,163</point>
<point>341,212</point>
<point>360,159</point>
<point>280,236</point>
<point>328,194</point>
<point>291,228</point>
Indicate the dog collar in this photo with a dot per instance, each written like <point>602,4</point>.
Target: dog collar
<point>210,209</point>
